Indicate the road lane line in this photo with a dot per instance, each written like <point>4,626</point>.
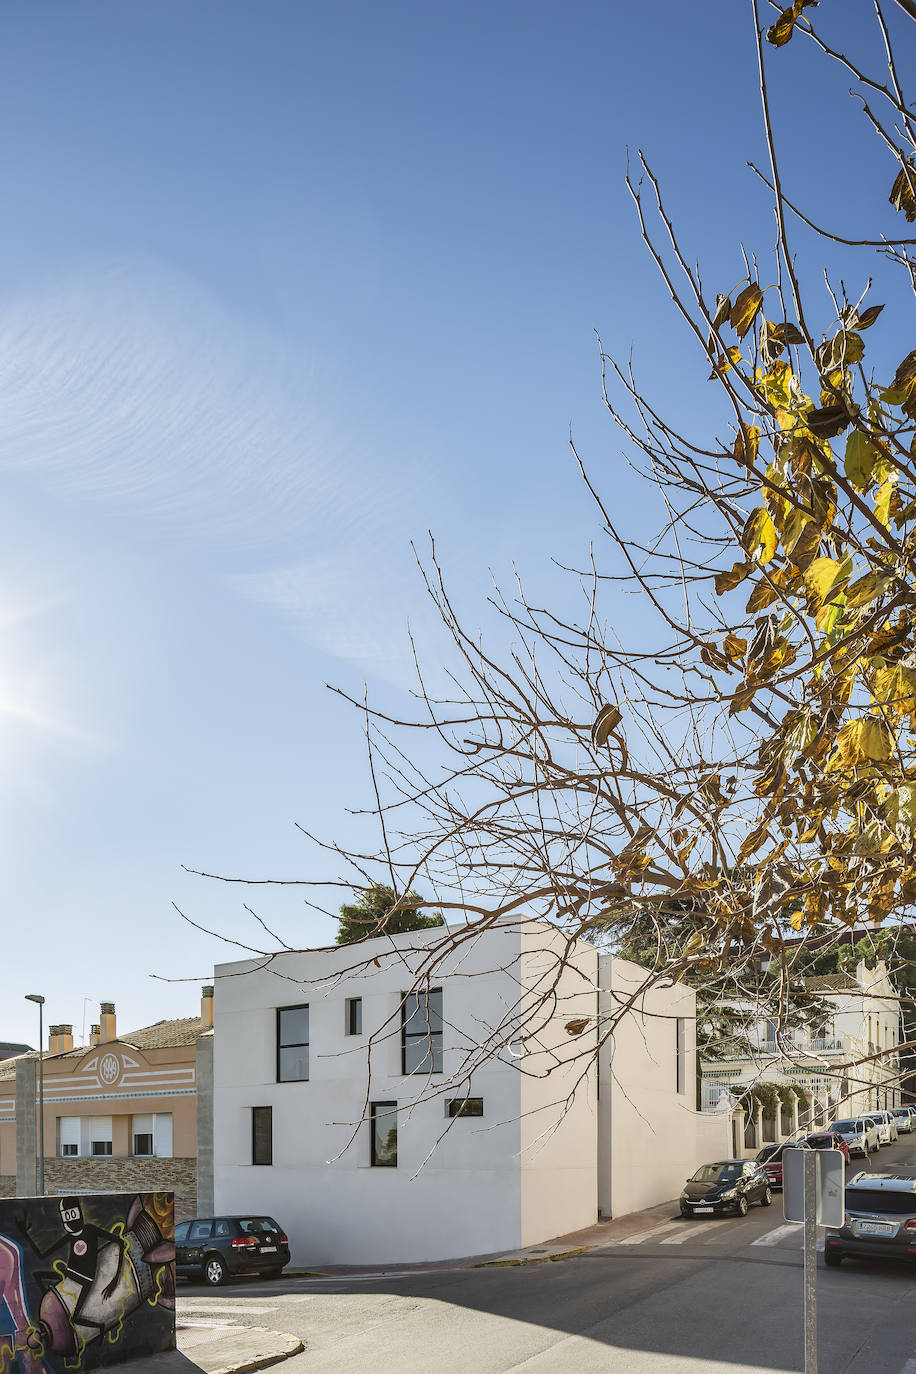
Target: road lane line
<point>791,1228</point>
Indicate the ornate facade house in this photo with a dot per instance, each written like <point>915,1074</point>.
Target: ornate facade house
<point>124,1112</point>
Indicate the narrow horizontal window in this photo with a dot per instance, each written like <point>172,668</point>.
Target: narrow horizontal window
<point>464,1106</point>
<point>383,1124</point>
<point>262,1135</point>
<point>101,1147</point>
<point>354,1016</point>
<point>292,1044</point>
<point>69,1149</point>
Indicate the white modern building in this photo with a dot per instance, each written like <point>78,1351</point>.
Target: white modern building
<point>847,1058</point>
<point>390,1102</point>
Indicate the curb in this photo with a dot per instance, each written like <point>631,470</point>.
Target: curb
<point>534,1259</point>
<point>294,1347</point>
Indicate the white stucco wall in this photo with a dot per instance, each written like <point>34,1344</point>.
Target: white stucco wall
<point>483,1188</point>
<point>648,1141</point>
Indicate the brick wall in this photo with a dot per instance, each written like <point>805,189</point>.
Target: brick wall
<point>123,1175</point>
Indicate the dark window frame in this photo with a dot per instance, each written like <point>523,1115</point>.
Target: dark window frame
<point>354,1018</point>
<point>293,1044</point>
<point>463,1106</point>
<point>101,1148</point>
<point>374,1160</point>
<point>69,1150</point>
<point>144,1135</point>
<point>262,1163</point>
<point>424,1033</point>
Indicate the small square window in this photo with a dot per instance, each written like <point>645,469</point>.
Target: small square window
<point>464,1106</point>
<point>262,1135</point>
<point>69,1149</point>
<point>354,1016</point>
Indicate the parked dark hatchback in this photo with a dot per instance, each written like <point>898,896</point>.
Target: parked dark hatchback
<point>218,1248</point>
<point>729,1185</point>
<point>880,1220</point>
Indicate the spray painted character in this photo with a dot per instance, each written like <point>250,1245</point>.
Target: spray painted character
<point>104,1277</point>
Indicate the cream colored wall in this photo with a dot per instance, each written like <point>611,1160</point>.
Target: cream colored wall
<point>649,1140</point>
<point>559,1089</point>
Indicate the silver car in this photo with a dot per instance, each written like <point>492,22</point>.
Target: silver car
<point>887,1126</point>
<point>860,1134</point>
<point>905,1118</point>
<point>880,1220</point>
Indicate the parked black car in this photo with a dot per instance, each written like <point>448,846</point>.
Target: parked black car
<point>880,1220</point>
<point>215,1249</point>
<point>729,1185</point>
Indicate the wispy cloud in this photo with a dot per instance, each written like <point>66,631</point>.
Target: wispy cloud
<point>138,394</point>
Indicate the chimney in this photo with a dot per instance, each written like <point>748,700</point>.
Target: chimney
<point>206,1006</point>
<point>108,1029</point>
<point>95,1036</point>
<point>60,1039</point>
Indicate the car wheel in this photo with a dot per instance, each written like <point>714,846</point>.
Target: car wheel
<point>214,1271</point>
<point>833,1259</point>
<point>767,1198</point>
<point>741,1206</point>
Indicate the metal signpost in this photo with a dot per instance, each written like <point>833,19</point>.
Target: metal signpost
<point>813,1192</point>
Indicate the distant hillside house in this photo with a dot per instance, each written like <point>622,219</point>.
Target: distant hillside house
<point>123,1112</point>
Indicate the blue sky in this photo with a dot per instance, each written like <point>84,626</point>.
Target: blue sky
<point>285,285</point>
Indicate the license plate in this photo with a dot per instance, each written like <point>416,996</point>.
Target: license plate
<point>876,1228</point>
<point>268,1249</point>
<point>704,1209</point>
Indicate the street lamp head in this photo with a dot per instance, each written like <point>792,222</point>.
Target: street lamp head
<point>35,997</point>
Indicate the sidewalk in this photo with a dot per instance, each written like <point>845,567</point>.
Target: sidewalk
<point>216,1350</point>
<point>560,1247</point>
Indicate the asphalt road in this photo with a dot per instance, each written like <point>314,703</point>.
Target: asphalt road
<point>686,1297</point>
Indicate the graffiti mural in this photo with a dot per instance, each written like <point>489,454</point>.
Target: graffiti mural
<point>85,1281</point>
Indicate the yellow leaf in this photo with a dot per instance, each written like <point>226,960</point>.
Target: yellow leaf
<point>883,501</point>
<point>753,841</point>
<point>746,305</point>
<point>796,920</point>
<point>746,445</point>
<point>867,588</point>
<point>895,689</point>
<point>762,595</point>
<point>727,580</point>
<point>860,459</point>
<point>759,534</point>
<point>820,576</point>
<point>734,646</point>
<point>607,719</point>
<point>865,740</point>
<point>576,1027</point>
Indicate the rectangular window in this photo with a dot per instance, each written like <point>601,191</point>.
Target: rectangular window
<point>292,1044</point>
<point>383,1123</point>
<point>143,1143</point>
<point>681,1053</point>
<point>262,1135</point>
<point>101,1147</point>
<point>97,1136</point>
<point>464,1106</point>
<point>421,1031</point>
<point>354,1016</point>
<point>68,1135</point>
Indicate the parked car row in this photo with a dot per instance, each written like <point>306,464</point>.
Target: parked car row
<point>770,1157</point>
<point>868,1132</point>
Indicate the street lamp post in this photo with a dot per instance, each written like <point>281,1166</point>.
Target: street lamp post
<point>36,997</point>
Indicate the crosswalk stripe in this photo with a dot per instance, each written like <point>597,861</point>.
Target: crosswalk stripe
<point>642,1236</point>
<point>791,1228</point>
<point>690,1230</point>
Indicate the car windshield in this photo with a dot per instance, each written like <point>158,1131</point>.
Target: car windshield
<point>901,1111</point>
<point>768,1152</point>
<point>717,1173</point>
<point>259,1226</point>
<point>877,1200</point>
<point>845,1127</point>
<point>820,1142</point>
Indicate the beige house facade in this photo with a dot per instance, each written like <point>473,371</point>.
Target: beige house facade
<point>123,1112</point>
